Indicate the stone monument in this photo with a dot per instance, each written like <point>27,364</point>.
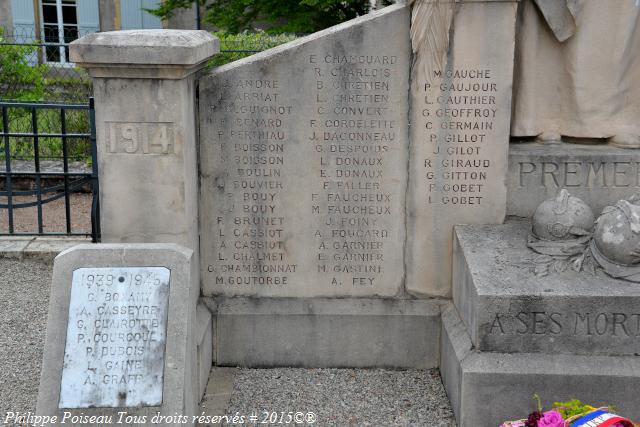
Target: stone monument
<point>319,183</point>
<point>121,335</point>
<point>460,108</point>
<point>576,81</point>
<point>302,189</point>
<point>577,71</point>
<point>511,333</point>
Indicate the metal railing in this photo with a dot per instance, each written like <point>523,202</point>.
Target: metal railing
<point>25,144</point>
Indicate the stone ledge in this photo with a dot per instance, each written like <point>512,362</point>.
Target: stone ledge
<point>43,249</point>
<point>322,332</point>
<point>599,174</point>
<point>506,308</point>
<point>475,379</point>
<point>145,47</point>
<point>144,54</point>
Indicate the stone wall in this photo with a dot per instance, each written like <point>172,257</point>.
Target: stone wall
<point>314,182</point>
<point>303,155</point>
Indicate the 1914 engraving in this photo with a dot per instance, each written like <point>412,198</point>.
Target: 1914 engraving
<point>140,138</point>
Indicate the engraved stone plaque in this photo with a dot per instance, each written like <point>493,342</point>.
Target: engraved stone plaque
<point>116,336</point>
<point>460,118</point>
<point>304,156</point>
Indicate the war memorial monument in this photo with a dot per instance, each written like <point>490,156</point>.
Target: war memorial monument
<point>447,184</point>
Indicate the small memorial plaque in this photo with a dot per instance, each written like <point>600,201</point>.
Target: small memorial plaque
<point>116,336</point>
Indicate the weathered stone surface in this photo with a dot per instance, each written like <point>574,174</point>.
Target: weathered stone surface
<point>327,332</point>
<point>6,17</point>
<point>95,372</point>
<point>303,164</point>
<point>13,247</point>
<point>455,346</point>
<point>475,379</point>
<point>138,52</point>
<point>460,111</point>
<point>180,382</point>
<point>204,336</point>
<point>47,248</point>
<point>509,309</point>
<point>146,131</point>
<point>591,49</point>
<point>598,174</point>
<point>110,15</point>
<point>562,218</point>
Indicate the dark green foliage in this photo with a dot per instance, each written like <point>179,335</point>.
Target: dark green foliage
<point>238,46</point>
<point>281,16</point>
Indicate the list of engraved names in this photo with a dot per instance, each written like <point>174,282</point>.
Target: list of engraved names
<point>458,112</point>
<point>352,135</point>
<point>116,335</point>
<point>308,188</point>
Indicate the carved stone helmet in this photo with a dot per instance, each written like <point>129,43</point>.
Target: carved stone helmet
<point>617,233</point>
<point>563,217</point>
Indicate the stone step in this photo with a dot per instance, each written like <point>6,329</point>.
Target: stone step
<point>487,388</point>
<point>324,332</point>
<point>507,308</point>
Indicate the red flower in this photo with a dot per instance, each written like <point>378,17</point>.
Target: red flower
<point>533,419</point>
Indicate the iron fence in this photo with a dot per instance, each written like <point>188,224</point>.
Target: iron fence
<point>45,161</point>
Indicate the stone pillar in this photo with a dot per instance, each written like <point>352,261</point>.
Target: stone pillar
<point>110,15</point>
<point>461,84</point>
<point>6,17</point>
<point>182,19</point>
<point>145,89</point>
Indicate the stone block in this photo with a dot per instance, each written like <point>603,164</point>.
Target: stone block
<point>488,388</point>
<point>160,277</point>
<point>507,308</point>
<point>359,333</point>
<point>46,249</point>
<point>598,174</point>
<point>303,154</point>
<point>13,247</point>
<point>144,53</point>
<point>455,345</point>
<point>219,391</point>
<point>6,17</point>
<point>144,90</point>
<point>460,120</point>
<point>204,335</point>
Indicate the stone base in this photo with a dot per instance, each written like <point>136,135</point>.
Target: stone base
<point>599,174</point>
<point>355,333</point>
<point>511,333</point>
<point>488,388</point>
<point>507,308</point>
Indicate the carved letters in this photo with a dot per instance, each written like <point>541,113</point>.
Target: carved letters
<point>140,138</point>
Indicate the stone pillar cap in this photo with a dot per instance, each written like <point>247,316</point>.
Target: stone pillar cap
<point>135,53</point>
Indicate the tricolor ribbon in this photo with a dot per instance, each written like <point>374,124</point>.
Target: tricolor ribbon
<point>600,418</point>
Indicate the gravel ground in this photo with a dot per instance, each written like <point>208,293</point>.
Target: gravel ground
<point>337,397</point>
<point>24,300</point>
<point>345,397</point>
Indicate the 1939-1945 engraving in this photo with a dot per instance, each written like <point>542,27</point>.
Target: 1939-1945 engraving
<point>116,335</point>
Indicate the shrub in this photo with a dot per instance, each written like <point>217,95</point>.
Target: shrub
<point>238,46</point>
<point>20,80</point>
